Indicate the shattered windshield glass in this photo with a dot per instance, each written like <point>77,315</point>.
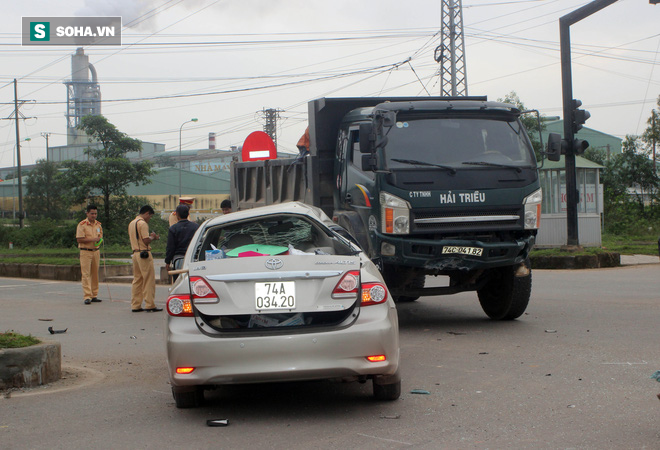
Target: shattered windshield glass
<point>279,234</point>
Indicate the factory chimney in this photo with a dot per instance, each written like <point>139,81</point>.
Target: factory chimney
<point>83,96</point>
<point>211,141</point>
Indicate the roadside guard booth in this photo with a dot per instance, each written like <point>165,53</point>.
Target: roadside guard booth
<point>552,232</point>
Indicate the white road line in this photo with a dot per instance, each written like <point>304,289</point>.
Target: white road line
<point>383,439</point>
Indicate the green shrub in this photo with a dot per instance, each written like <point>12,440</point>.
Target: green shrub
<point>42,233</point>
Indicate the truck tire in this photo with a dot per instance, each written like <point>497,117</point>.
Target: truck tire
<point>505,296</point>
<point>417,283</point>
<point>400,279</point>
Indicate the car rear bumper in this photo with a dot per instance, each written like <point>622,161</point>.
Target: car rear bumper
<point>336,353</point>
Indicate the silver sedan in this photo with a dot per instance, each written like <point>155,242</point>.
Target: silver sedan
<point>279,294</point>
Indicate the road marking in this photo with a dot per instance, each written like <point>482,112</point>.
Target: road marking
<point>383,439</point>
<point>625,363</point>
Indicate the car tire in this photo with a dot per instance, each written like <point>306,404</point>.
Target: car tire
<point>188,399</point>
<point>387,392</point>
<point>505,296</point>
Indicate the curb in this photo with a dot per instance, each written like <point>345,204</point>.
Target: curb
<point>56,272</point>
<point>597,261</point>
<point>30,366</point>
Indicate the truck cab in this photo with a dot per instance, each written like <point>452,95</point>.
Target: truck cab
<point>440,188</point>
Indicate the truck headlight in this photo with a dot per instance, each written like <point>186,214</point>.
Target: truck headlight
<point>395,214</point>
<point>533,210</point>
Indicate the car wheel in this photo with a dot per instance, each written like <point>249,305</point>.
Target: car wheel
<point>387,392</point>
<point>505,296</point>
<point>188,399</point>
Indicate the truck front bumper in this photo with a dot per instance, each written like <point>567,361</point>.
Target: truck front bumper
<point>428,254</point>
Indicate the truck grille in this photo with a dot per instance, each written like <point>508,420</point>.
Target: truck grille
<point>467,220</point>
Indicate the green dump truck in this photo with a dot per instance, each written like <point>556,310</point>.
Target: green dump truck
<point>429,186</point>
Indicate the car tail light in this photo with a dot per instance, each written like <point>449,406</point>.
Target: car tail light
<point>377,358</point>
<point>179,305</point>
<point>184,370</point>
<point>202,292</point>
<point>348,285</point>
<point>373,294</point>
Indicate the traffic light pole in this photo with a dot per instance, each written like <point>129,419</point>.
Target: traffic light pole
<point>572,195</point>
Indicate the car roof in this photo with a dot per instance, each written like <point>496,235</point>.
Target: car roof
<point>278,209</point>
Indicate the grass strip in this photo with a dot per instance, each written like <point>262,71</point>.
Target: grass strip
<point>11,339</point>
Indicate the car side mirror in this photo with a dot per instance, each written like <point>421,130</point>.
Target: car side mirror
<point>367,137</point>
<point>553,151</point>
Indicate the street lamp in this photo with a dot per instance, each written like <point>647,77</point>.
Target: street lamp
<point>14,179</point>
<point>180,165</point>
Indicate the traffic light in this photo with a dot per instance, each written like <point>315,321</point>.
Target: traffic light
<point>654,2</point>
<point>579,116</point>
<point>580,145</point>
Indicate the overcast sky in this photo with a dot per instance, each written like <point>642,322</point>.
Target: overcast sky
<point>224,61</point>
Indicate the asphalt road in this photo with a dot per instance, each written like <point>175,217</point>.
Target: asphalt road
<point>573,372</point>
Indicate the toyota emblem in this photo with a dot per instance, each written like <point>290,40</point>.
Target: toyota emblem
<point>274,263</point>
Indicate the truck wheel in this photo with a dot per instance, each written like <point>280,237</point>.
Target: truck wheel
<point>401,279</point>
<point>505,295</point>
<point>417,283</point>
<point>188,399</point>
<point>387,392</point>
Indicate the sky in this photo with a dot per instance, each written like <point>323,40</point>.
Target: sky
<point>225,61</point>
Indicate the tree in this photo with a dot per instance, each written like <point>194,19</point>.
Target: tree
<point>630,169</point>
<point>651,135</point>
<point>529,121</point>
<point>45,191</point>
<point>108,172</point>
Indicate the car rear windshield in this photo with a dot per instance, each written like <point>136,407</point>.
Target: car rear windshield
<point>296,234</point>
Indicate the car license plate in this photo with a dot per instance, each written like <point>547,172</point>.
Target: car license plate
<point>472,251</point>
<point>275,295</point>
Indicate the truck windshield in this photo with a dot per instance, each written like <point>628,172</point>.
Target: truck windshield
<point>455,141</point>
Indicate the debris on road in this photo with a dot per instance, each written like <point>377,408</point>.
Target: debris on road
<point>217,422</point>
<point>420,391</point>
<point>51,331</point>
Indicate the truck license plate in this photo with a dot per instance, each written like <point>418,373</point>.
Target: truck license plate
<point>472,251</point>
<point>275,295</point>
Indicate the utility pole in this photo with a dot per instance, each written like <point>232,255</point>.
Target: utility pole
<point>653,135</point>
<point>46,135</point>
<point>16,115</point>
<point>450,54</point>
<point>270,128</point>
<point>18,158</point>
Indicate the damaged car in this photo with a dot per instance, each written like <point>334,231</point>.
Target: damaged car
<point>279,294</point>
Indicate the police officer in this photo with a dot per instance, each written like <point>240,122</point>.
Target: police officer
<point>188,201</point>
<point>144,277</point>
<point>88,233</point>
